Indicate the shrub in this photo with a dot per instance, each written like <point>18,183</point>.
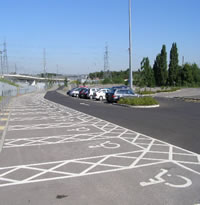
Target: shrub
<point>138,101</point>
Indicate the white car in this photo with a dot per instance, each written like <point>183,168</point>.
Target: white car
<point>91,92</point>
<point>75,92</point>
<point>101,94</point>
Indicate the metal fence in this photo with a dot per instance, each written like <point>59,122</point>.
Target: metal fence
<point>7,94</point>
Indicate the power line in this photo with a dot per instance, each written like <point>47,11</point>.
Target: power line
<point>4,59</point>
<point>15,68</point>
<point>106,63</point>
<point>44,61</point>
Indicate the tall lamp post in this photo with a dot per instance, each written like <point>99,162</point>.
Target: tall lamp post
<point>130,49</point>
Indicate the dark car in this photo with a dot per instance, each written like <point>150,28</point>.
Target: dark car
<point>75,92</point>
<point>83,93</point>
<point>69,92</point>
<point>115,94</point>
<point>120,87</point>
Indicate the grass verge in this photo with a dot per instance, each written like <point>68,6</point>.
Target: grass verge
<point>3,80</point>
<point>138,101</point>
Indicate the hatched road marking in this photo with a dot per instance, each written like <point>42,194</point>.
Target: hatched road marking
<point>146,151</point>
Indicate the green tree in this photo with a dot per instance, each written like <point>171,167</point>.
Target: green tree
<point>178,77</point>
<point>195,74</point>
<point>66,82</point>
<point>118,80</point>
<point>173,65</point>
<point>106,81</point>
<point>146,73</point>
<point>160,67</point>
<point>136,78</point>
<point>163,66</point>
<point>156,70</point>
<point>186,75</point>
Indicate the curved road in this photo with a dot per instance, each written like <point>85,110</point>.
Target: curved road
<point>175,121</point>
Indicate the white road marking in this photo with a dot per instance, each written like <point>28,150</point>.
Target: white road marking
<point>84,104</point>
<point>158,179</point>
<point>150,151</point>
<point>106,145</point>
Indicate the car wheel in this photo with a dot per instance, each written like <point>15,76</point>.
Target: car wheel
<point>100,98</point>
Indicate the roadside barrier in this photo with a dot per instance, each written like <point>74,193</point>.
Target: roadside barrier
<point>7,95</point>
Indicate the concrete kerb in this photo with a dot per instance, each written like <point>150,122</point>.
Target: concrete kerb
<point>137,106</point>
<point>195,99</point>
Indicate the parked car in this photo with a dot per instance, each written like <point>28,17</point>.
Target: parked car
<point>120,87</point>
<point>115,94</point>
<point>69,92</point>
<point>101,94</point>
<point>83,93</point>
<point>75,92</point>
<point>91,91</point>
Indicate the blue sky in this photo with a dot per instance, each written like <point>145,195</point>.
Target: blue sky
<point>74,32</point>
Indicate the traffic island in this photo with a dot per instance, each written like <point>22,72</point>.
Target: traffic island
<point>139,102</point>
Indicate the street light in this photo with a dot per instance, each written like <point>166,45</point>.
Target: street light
<point>130,49</point>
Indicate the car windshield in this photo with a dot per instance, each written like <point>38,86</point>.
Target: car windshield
<point>130,92</point>
<point>99,90</point>
<point>112,90</point>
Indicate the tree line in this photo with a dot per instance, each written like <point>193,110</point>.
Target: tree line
<point>161,74</point>
<point>116,77</point>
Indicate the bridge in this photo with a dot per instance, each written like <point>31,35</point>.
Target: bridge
<point>31,78</point>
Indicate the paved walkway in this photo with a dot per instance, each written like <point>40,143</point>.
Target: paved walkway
<point>56,155</point>
<point>183,93</point>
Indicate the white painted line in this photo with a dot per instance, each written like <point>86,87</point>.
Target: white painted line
<point>198,157</point>
<point>84,104</point>
<point>142,155</point>
<point>153,158</point>
<point>159,179</point>
<point>132,143</point>
<point>96,164</point>
<point>187,168</point>
<point>170,153</point>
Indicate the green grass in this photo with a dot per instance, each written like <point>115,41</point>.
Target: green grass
<point>3,80</point>
<point>138,101</point>
<point>0,98</point>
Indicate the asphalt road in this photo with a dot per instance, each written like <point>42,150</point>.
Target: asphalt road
<point>175,121</point>
<point>55,155</point>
